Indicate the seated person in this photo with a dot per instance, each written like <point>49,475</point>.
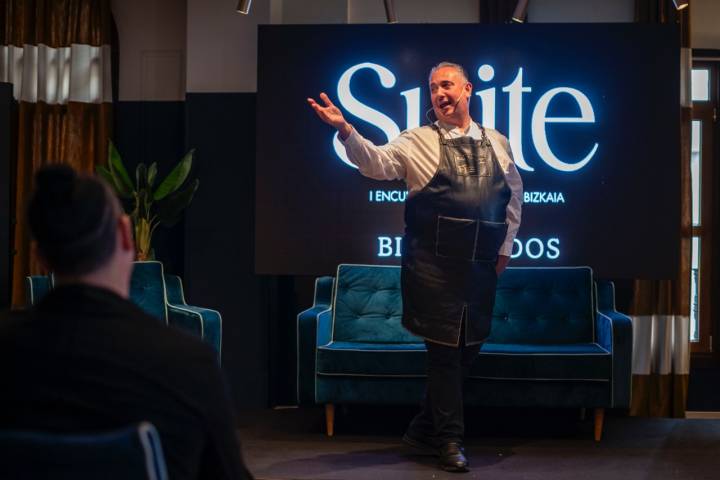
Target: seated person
<point>86,359</point>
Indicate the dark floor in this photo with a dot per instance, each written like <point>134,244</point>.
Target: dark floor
<point>501,443</point>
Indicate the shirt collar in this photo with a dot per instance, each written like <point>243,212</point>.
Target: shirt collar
<point>453,131</point>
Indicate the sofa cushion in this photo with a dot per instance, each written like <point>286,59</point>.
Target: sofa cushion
<point>544,306</point>
<point>587,361</point>
<point>371,359</point>
<point>496,361</point>
<point>367,306</point>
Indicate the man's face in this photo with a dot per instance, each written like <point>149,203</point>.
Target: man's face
<point>449,93</point>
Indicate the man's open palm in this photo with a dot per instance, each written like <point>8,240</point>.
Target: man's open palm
<point>328,113</point>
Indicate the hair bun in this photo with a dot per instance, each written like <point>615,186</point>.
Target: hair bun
<point>55,181</point>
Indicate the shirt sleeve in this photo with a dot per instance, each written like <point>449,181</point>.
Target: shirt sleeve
<point>386,162</point>
<point>514,208</point>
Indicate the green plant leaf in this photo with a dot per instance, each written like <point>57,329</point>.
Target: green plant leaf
<point>170,208</point>
<point>105,174</point>
<point>122,180</point>
<point>152,174</point>
<point>175,178</point>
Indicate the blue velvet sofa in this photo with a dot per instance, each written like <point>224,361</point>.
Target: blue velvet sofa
<point>160,295</point>
<point>556,341</point>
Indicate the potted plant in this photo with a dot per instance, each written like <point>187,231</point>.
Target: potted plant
<point>147,205</point>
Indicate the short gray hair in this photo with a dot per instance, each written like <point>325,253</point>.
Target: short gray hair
<point>456,66</point>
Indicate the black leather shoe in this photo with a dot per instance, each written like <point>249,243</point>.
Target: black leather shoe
<point>422,443</point>
<point>452,458</point>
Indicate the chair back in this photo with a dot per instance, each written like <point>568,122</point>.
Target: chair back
<point>36,287</point>
<point>147,289</point>
<point>127,454</point>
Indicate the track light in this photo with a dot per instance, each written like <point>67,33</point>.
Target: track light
<point>520,11</point>
<point>680,4</point>
<point>390,12</point>
<point>243,6</point>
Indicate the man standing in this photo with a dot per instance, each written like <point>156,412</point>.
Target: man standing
<point>461,217</point>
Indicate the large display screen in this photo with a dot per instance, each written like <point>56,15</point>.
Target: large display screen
<point>591,112</point>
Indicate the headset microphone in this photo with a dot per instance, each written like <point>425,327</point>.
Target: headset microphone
<point>427,112</point>
<point>458,101</point>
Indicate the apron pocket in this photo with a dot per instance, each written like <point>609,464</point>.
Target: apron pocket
<point>455,237</point>
<point>472,166</point>
<point>490,237</point>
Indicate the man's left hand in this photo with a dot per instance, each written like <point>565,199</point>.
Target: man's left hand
<point>501,264</point>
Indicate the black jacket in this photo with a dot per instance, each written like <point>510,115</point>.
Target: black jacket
<point>88,360</point>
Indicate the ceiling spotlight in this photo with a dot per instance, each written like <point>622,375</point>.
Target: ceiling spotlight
<point>390,12</point>
<point>243,6</point>
<point>520,11</point>
<point>680,4</point>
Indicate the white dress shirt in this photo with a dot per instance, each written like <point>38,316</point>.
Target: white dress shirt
<point>414,156</point>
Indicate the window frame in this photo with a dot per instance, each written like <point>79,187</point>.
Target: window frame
<point>706,112</point>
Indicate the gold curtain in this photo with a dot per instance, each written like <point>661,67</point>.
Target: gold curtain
<point>55,23</point>
<point>72,133</point>
<point>661,308</point>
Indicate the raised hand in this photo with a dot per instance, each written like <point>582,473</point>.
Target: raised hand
<point>331,115</point>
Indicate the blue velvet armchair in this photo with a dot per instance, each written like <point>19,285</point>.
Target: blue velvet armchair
<point>130,453</point>
<point>160,295</point>
<point>555,342</point>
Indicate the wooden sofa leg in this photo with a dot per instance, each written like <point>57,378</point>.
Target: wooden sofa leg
<point>599,416</point>
<point>330,419</point>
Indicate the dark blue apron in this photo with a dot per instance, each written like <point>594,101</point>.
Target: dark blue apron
<point>454,228</point>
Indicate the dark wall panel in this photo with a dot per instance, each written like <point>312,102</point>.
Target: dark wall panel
<point>6,192</point>
<point>147,132</point>
<point>219,251</point>
<point>213,249</point>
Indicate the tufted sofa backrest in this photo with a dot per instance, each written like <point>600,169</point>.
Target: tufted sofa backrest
<point>532,306</point>
<point>544,306</point>
<point>367,305</point>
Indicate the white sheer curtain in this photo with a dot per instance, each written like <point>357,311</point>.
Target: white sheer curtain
<point>661,365</point>
<point>78,73</point>
<point>661,345</point>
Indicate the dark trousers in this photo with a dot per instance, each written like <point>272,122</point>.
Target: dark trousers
<point>441,418</point>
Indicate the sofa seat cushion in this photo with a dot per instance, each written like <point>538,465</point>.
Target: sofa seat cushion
<point>371,359</point>
<point>579,361</point>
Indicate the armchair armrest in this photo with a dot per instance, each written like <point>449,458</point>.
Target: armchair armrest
<point>313,329</point>
<point>323,291</point>
<point>174,290</point>
<point>202,322</point>
<point>615,335</point>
